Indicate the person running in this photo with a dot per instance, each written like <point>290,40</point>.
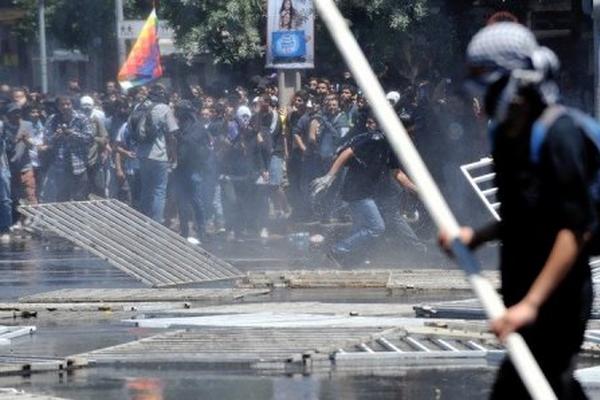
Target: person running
<point>546,208</point>
<point>369,159</point>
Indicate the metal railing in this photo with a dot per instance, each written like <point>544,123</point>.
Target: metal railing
<point>130,241</point>
<point>481,179</point>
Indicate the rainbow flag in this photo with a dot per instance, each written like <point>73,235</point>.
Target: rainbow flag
<point>143,63</point>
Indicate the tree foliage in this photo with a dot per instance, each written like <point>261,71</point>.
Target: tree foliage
<point>407,35</point>
<point>75,23</point>
<point>393,32</point>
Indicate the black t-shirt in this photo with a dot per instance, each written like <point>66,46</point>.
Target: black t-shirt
<point>372,161</point>
<point>194,147</point>
<point>538,200</point>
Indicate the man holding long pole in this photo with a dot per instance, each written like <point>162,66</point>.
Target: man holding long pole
<point>547,210</point>
<point>562,265</point>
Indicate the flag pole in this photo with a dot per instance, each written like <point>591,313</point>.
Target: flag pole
<point>524,362</point>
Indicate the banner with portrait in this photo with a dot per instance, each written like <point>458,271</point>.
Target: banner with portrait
<point>290,34</point>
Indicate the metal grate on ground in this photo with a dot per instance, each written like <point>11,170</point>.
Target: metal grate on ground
<point>24,365</point>
<point>224,345</point>
<point>322,349</point>
<point>130,241</point>
<point>7,333</point>
<point>397,348</point>
<point>14,394</point>
<point>473,310</point>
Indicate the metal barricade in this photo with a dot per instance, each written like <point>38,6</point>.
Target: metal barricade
<point>130,241</point>
<point>481,178</point>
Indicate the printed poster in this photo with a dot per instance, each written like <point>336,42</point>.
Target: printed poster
<point>290,34</point>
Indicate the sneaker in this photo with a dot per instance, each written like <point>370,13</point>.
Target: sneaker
<point>193,240</point>
<point>5,238</point>
<point>264,233</point>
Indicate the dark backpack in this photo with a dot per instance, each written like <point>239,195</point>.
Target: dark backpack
<point>141,127</point>
<point>591,128</point>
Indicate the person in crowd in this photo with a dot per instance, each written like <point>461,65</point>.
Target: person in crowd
<point>111,88</point>
<point>239,174</point>
<point>156,150</point>
<point>193,148</point>
<point>17,135</point>
<point>69,135</point>
<point>369,160</point>
<point>323,89</point>
<point>333,126</point>
<point>38,148</point>
<point>127,167</point>
<point>74,92</point>
<point>297,149</point>
<point>267,128</point>
<point>19,97</point>
<point>99,157</point>
<point>347,94</point>
<point>115,122</point>
<point>5,192</point>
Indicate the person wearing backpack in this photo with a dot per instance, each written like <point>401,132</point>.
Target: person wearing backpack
<point>153,128</point>
<point>548,213</point>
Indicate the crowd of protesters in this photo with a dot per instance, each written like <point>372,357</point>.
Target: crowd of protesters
<point>230,161</point>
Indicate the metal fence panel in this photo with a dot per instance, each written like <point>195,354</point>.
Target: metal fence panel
<point>130,241</point>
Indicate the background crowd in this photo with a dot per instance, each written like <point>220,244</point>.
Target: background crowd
<point>229,161</point>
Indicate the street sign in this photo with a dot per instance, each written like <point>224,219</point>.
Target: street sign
<point>131,28</point>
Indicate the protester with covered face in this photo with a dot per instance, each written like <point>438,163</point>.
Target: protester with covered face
<point>544,164</point>
<point>239,175</point>
<point>99,157</point>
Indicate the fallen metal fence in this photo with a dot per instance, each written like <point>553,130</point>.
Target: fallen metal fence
<point>400,349</point>
<point>130,241</point>
<point>481,178</point>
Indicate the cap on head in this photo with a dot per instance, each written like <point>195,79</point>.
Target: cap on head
<point>86,102</point>
<point>393,97</point>
<point>243,113</point>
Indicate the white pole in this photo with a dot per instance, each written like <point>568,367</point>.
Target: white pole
<point>121,47</point>
<point>521,356</point>
<point>43,55</point>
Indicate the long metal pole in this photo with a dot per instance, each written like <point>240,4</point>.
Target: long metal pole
<point>43,55</point>
<point>121,47</point>
<point>521,356</point>
<point>596,34</point>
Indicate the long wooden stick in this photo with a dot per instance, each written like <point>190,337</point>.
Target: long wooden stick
<point>521,356</point>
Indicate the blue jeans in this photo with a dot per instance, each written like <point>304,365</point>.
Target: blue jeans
<point>367,225</point>
<point>397,225</point>
<point>154,176</point>
<point>62,185</point>
<point>5,200</point>
<point>188,189</point>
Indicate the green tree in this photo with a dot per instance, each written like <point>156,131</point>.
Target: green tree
<point>392,32</point>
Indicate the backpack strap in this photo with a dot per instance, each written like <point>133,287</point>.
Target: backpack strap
<point>540,129</point>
